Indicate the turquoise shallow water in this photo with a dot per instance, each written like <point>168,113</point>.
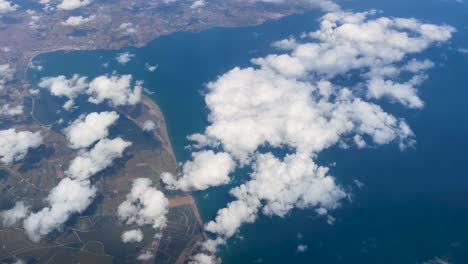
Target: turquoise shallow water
<point>412,207</point>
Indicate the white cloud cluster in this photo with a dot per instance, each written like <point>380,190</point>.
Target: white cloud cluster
<point>61,86</point>
<point>98,158</point>
<point>116,89</point>
<point>280,185</point>
<point>73,4</point>
<point>7,6</point>
<point>202,258</point>
<point>44,2</point>
<point>74,21</point>
<point>437,260</point>
<point>8,110</point>
<point>15,145</point>
<point>293,102</point>
<point>301,248</point>
<point>326,5</point>
<point>6,75</point>
<point>207,169</point>
<point>128,28</point>
<point>198,4</point>
<point>134,235</point>
<point>349,41</point>
<point>282,111</point>
<point>124,57</point>
<point>68,197</point>
<point>145,255</point>
<point>149,126</point>
<point>15,214</point>
<point>86,130</point>
<point>34,19</point>
<point>75,193</point>
<point>151,68</point>
<point>404,93</point>
<point>145,205</point>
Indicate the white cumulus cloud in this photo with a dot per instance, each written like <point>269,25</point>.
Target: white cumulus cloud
<point>116,89</point>
<point>124,58</point>
<point>206,170</point>
<point>15,214</point>
<point>7,6</point>
<point>98,158</point>
<point>293,102</point>
<point>130,236</point>
<point>145,205</point>
<point>63,87</point>
<point>73,4</point>
<point>74,21</point>
<point>149,126</point>
<point>8,110</point>
<point>15,145</point>
<point>75,193</point>
<point>6,75</point>
<point>88,129</point>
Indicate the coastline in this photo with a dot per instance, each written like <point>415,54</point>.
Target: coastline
<point>154,112</point>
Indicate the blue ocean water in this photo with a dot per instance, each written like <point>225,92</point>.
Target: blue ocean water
<point>412,207</point>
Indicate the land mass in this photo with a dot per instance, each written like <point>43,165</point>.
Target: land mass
<point>94,236</point>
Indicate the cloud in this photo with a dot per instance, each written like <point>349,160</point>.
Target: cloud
<point>151,68</point>
<point>206,170</point>
<point>295,182</point>
<point>202,258</point>
<point>416,66</point>
<point>198,4</point>
<point>19,261</point>
<point>44,2</point>
<point>128,28</point>
<point>86,130</point>
<point>130,236</point>
<point>75,193</point>
<point>301,248</point>
<point>145,205</point>
<point>15,214</point>
<point>7,110</point>
<point>124,58</point>
<point>116,89</point>
<point>326,5</point>
<point>67,198</point>
<point>437,260</point>
<point>149,126</point>
<point>7,6</point>
<point>15,145</point>
<point>282,112</point>
<point>228,220</point>
<point>359,141</point>
<point>293,102</point>
<point>73,4</point>
<point>74,21</point>
<point>98,158</point>
<point>145,255</point>
<point>404,93</point>
<point>61,86</point>
<point>6,74</point>
<point>285,44</point>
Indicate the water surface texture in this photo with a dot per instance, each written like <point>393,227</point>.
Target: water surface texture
<point>412,206</point>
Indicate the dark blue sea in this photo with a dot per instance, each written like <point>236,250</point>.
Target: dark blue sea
<point>413,206</point>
